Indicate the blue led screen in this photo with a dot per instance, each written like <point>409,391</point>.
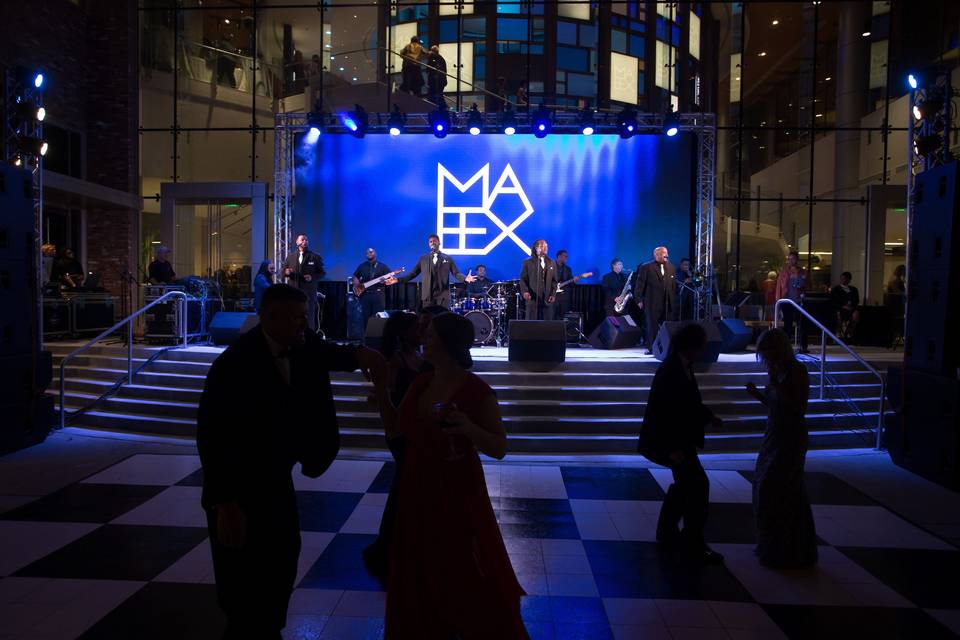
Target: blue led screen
<point>490,197</point>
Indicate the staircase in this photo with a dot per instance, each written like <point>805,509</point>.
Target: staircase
<point>589,405</point>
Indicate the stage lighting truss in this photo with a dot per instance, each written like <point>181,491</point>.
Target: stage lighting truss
<point>396,121</point>
<point>627,123</point>
<point>356,122</point>
<point>509,124</point>
<point>541,123</point>
<point>23,118</point>
<point>587,122</point>
<point>931,118</point>
<point>440,123</point>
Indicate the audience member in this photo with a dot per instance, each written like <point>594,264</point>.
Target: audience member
<point>673,430</point>
<point>262,281</point>
<point>67,270</point>
<point>48,258</point>
<point>436,75</point>
<point>769,288</point>
<point>785,530</point>
<point>411,71</point>
<point>791,284</point>
<point>898,281</point>
<point>160,271</point>
<point>248,453</point>
<point>845,299</point>
<point>450,575</point>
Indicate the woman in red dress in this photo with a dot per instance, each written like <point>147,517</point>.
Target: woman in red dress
<point>450,575</point>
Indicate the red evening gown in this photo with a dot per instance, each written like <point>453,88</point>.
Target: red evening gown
<point>450,574</point>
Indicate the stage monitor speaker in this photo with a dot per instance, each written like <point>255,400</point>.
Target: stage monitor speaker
<point>373,336</point>
<point>735,335</point>
<point>227,326</point>
<point>573,322</point>
<point>661,346</point>
<point>615,332</point>
<point>537,341</point>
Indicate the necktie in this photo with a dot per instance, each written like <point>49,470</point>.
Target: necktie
<point>300,259</point>
<point>661,269</point>
<point>541,263</point>
<point>434,258</point>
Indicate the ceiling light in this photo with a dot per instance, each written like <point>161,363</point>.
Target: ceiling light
<point>763,54</point>
<point>866,34</point>
<point>775,22</point>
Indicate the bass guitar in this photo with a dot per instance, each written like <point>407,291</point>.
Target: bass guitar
<point>360,287</point>
<point>572,280</point>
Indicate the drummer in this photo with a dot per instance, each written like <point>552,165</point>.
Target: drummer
<point>479,286</point>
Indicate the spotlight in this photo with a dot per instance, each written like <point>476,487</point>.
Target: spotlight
<point>671,125</point>
<point>586,122</point>
<point>38,80</point>
<point>395,122</point>
<point>508,120</point>
<point>475,121</point>
<point>928,107</point>
<point>925,145</point>
<point>541,122</point>
<point>33,146</point>
<point>356,121</point>
<point>316,126</point>
<point>912,81</point>
<point>28,110</point>
<point>440,121</point>
<point>627,123</point>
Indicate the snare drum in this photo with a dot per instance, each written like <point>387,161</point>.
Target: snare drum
<point>483,304</point>
<point>484,327</point>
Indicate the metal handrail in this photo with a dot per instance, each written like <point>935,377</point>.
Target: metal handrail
<point>181,321</point>
<point>823,357</point>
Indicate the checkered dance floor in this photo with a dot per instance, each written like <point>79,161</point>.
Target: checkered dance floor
<point>124,554</point>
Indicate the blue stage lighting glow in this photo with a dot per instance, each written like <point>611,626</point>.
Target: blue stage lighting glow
<point>349,123</point>
<point>439,127</point>
<point>912,81</point>
<point>509,130</point>
<point>474,130</point>
<point>313,135</point>
<point>672,131</point>
<point>38,80</point>
<point>394,131</point>
<point>541,127</point>
<point>587,131</point>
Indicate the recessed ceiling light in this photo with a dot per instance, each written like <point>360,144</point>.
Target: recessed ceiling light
<point>866,34</point>
<point>775,22</point>
<point>763,53</point>
<point>828,79</point>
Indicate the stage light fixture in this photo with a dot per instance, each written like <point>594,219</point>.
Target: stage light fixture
<point>912,81</point>
<point>440,121</point>
<point>508,120</point>
<point>475,121</point>
<point>927,108</point>
<point>586,122</point>
<point>671,124</point>
<point>627,123</point>
<point>356,121</point>
<point>28,110</point>
<point>396,121</point>
<point>33,146</point>
<point>315,126</point>
<point>925,145</point>
<point>542,122</point>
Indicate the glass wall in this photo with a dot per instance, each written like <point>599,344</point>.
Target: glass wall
<point>809,97</point>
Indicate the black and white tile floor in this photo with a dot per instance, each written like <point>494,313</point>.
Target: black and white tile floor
<point>123,553</point>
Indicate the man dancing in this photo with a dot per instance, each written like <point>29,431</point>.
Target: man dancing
<point>436,268</point>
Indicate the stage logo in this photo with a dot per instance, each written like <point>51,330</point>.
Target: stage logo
<point>470,220</point>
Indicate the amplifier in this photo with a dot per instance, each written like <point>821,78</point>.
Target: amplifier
<point>91,312</point>
<point>162,319</point>
<point>56,318</point>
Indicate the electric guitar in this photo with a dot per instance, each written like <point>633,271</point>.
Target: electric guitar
<point>360,287</point>
<point>572,280</point>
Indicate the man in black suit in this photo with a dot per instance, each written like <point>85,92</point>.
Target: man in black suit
<point>304,269</point>
<point>564,273</point>
<point>673,428</point>
<point>252,428</point>
<point>374,299</point>
<point>654,287</point>
<point>538,283</point>
<point>436,268</point>
<point>612,284</point>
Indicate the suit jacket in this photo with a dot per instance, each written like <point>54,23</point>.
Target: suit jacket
<point>312,265</point>
<point>252,427</point>
<point>446,266</point>
<point>565,273</point>
<point>530,275</point>
<point>657,292</point>
<point>675,416</point>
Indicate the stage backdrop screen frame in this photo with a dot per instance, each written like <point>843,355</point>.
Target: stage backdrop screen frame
<point>490,197</point>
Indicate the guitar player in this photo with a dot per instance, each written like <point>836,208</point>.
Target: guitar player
<point>374,299</point>
<point>564,273</point>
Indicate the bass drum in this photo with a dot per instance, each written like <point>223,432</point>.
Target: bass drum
<point>484,327</point>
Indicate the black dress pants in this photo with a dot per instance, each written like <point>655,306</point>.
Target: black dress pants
<point>687,499</point>
<point>372,302</point>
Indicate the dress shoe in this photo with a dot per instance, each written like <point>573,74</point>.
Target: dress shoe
<point>669,539</point>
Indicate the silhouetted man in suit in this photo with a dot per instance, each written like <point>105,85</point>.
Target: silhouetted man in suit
<point>656,290</point>
<point>673,429</point>
<point>252,428</point>
<point>538,283</point>
<point>304,269</point>
<point>436,268</point>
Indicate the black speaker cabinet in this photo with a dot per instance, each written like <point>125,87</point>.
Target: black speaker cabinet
<point>227,326</point>
<point>735,335</point>
<point>661,346</point>
<point>616,332</point>
<point>373,336</point>
<point>573,322</point>
<point>537,341</point>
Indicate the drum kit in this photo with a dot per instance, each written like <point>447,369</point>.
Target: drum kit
<point>488,311</point>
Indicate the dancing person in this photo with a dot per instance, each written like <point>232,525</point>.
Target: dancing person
<point>411,72</point>
<point>655,291</point>
<point>160,271</point>
<point>450,575</point>
<point>786,536</point>
<point>672,431</point>
<point>68,271</point>
<point>248,451</point>
<point>791,284</point>
<point>538,283</point>
<point>304,269</point>
<point>400,346</point>
<point>436,75</point>
<point>479,286</point>
<point>845,299</point>
<point>262,281</point>
<point>436,268</point>
<point>612,285</point>
<point>374,299</point>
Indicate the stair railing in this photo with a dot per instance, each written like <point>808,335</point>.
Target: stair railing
<point>128,321</point>
<point>823,358</point>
